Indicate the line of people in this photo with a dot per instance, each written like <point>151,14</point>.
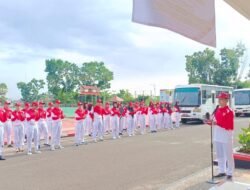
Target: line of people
<point>33,122</point>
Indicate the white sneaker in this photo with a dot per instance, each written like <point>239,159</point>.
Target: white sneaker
<point>52,148</point>
<point>95,141</point>
<point>29,153</point>
<point>119,137</point>
<point>130,135</point>
<point>38,152</point>
<point>114,138</point>
<point>60,147</point>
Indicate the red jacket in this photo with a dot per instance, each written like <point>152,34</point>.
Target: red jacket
<point>32,115</point>
<point>106,111</point>
<point>98,110</point>
<point>18,115</point>
<point>154,111</point>
<point>225,118</point>
<point>80,114</point>
<point>42,113</point>
<point>2,115</point>
<point>7,114</point>
<point>115,111</point>
<point>49,112</point>
<point>57,113</point>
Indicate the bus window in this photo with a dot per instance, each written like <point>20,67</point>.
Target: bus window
<point>204,96</point>
<point>213,98</point>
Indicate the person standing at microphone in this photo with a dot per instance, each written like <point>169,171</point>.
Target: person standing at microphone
<point>223,126</point>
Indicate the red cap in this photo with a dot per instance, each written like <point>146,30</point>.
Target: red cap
<point>34,103</point>
<point>79,103</point>
<point>50,103</point>
<point>223,95</point>
<point>18,104</point>
<point>27,104</point>
<point>7,102</point>
<point>99,101</point>
<point>107,104</point>
<point>57,102</point>
<point>130,103</point>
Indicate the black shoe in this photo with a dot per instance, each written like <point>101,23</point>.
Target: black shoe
<point>229,177</point>
<point>1,158</point>
<point>45,144</point>
<point>220,175</point>
<point>10,146</point>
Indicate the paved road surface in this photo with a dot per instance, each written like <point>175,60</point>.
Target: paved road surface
<point>136,163</point>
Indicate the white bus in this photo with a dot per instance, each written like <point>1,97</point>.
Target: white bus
<point>195,100</point>
<point>241,101</point>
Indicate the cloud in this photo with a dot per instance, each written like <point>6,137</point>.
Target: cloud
<point>82,30</point>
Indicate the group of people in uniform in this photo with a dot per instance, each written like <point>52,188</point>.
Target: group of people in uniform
<point>32,122</point>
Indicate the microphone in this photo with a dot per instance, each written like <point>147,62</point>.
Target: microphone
<point>215,110</point>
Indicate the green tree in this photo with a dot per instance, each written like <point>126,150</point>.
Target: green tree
<point>62,77</point>
<point>125,95</point>
<point>201,66</point>
<point>204,67</point>
<point>31,91</point>
<point>96,74</point>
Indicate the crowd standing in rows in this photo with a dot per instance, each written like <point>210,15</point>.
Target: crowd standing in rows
<point>31,122</point>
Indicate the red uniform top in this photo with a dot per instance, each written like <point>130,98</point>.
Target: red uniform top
<point>1,115</point>
<point>25,111</point>
<point>80,114</point>
<point>106,111</point>
<point>7,114</point>
<point>42,113</point>
<point>144,110</point>
<point>18,115</point>
<point>98,110</point>
<point>124,111</point>
<point>163,110</point>
<point>57,113</point>
<point>115,111</point>
<point>177,109</point>
<point>49,112</point>
<point>225,118</point>
<point>169,111</point>
<point>154,111</point>
<point>32,115</point>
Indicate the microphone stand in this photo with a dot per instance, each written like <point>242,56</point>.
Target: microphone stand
<point>212,180</point>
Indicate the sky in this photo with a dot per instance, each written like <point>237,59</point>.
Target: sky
<point>141,57</point>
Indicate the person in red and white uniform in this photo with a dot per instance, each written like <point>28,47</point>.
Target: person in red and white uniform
<point>142,113</point>
<point>115,116</point>
<point>223,127</point>
<point>167,118</point>
<point>177,115</point>
<point>57,117</point>
<point>1,133</point>
<point>42,124</point>
<point>159,107</point>
<point>80,115</point>
<point>131,120</point>
<point>153,112</point>
<point>7,122</point>
<point>107,118</point>
<point>18,118</point>
<point>32,116</point>
<point>98,121</point>
<point>123,118</point>
<point>25,109</point>
<point>49,117</point>
<point>89,119</point>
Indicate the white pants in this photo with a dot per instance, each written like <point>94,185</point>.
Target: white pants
<point>79,132</point>
<point>115,126</point>
<point>89,124</point>
<point>19,135</point>
<point>7,131</point>
<point>167,121</point>
<point>56,133</point>
<point>98,128</point>
<point>1,138</point>
<point>32,134</point>
<point>152,122</point>
<point>43,130</point>
<point>224,153</point>
<point>107,123</point>
<point>131,125</point>
<point>142,119</point>
<point>122,124</point>
<point>49,124</point>
<point>177,119</point>
<point>159,120</point>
